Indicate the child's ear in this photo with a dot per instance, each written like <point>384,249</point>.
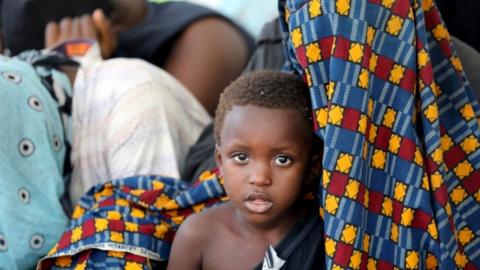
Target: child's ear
<point>315,168</point>
<point>218,157</point>
<point>317,163</point>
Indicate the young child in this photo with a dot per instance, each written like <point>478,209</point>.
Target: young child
<point>265,151</point>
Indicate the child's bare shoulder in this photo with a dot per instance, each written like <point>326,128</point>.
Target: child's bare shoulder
<point>206,221</point>
<point>199,228</point>
<point>194,236</point>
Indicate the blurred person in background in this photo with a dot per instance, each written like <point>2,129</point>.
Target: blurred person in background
<point>201,48</point>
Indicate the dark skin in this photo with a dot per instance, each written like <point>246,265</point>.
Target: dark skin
<point>265,174</point>
<point>207,56</point>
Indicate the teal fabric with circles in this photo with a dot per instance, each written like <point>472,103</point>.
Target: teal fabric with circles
<point>32,156</point>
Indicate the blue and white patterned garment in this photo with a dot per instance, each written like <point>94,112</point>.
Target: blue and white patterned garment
<point>32,159</point>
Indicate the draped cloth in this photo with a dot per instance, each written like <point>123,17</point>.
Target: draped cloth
<point>130,223</point>
<point>399,120</point>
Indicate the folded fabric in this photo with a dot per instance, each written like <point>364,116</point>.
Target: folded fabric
<point>130,223</point>
<point>401,165</point>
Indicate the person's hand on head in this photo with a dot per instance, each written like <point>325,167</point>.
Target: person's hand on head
<point>69,29</point>
<point>106,35</point>
<point>95,26</point>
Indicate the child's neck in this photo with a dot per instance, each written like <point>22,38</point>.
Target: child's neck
<point>273,232</point>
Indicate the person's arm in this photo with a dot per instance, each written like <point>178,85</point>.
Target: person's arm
<point>187,247</point>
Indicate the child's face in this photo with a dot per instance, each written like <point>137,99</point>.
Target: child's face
<point>263,157</point>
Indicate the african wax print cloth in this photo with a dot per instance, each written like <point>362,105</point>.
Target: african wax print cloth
<point>401,165</point>
<point>130,223</point>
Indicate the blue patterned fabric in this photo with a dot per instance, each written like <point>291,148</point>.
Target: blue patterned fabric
<point>32,159</point>
<point>130,223</point>
<point>401,166</point>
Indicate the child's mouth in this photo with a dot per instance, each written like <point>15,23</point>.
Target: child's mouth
<point>258,203</point>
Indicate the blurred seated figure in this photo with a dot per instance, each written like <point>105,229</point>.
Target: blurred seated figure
<point>93,119</point>
<point>198,46</point>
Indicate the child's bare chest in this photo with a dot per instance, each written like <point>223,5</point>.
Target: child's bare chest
<point>227,251</point>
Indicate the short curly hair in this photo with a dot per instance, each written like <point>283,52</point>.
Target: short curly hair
<point>267,89</point>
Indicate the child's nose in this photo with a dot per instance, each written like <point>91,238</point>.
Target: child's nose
<point>260,176</point>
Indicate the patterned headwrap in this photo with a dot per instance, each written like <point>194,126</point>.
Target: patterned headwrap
<point>401,167</point>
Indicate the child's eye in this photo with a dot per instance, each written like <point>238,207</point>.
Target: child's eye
<point>283,160</point>
<point>240,158</point>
